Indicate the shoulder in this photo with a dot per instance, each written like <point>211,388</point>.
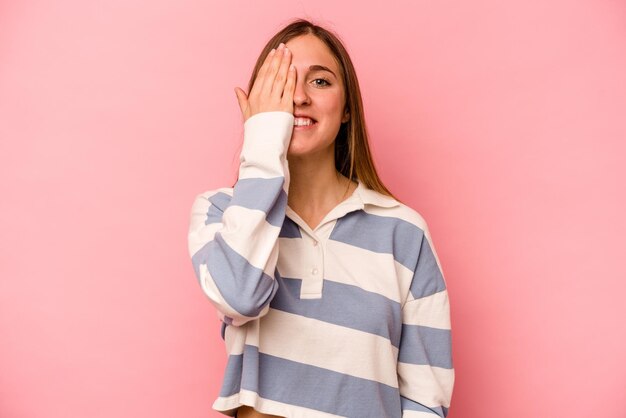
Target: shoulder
<point>412,216</point>
<point>379,204</point>
<point>400,226</point>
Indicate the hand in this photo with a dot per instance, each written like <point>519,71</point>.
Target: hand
<point>273,87</point>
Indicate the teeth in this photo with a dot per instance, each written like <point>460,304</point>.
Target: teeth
<point>302,122</point>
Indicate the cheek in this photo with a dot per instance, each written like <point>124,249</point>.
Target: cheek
<point>333,104</point>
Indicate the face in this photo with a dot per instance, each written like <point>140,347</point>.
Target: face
<point>319,94</point>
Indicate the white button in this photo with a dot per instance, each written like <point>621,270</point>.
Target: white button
<point>315,243</point>
<point>314,271</point>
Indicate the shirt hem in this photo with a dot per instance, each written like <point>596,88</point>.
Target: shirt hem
<point>228,405</point>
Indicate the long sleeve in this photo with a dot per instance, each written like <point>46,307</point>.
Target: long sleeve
<point>425,367</point>
<point>233,240</point>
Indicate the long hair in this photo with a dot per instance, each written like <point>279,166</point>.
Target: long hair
<point>353,158</point>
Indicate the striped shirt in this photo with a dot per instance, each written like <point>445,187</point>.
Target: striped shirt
<point>350,319</point>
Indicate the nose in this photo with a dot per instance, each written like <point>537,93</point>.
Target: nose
<point>300,96</point>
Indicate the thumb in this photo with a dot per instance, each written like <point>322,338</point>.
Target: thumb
<point>242,99</point>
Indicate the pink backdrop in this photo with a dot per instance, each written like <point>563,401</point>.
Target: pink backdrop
<point>503,123</point>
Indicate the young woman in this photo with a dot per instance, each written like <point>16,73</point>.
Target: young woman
<point>331,296</point>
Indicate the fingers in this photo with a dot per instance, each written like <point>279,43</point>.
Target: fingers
<point>290,87</point>
<point>272,70</point>
<point>260,77</point>
<point>281,76</point>
<point>268,91</point>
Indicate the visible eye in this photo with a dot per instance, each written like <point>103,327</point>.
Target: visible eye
<point>325,82</point>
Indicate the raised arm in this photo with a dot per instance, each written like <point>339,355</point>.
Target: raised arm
<point>233,239</point>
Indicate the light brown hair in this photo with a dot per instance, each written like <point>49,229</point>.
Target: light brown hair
<point>353,158</point>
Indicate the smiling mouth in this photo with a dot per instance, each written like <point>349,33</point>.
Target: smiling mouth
<point>304,122</point>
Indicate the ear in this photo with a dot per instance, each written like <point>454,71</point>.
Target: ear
<point>346,116</point>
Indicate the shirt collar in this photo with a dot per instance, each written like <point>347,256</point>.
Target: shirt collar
<point>372,197</point>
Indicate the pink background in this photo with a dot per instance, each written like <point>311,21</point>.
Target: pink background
<point>503,123</point>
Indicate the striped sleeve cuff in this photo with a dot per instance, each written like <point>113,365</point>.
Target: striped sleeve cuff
<point>265,142</point>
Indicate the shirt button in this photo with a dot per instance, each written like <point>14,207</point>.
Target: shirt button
<point>315,243</point>
<point>314,271</point>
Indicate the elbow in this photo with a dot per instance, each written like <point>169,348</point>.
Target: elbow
<point>249,299</point>
<point>237,288</point>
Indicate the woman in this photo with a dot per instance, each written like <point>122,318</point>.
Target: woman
<point>351,317</point>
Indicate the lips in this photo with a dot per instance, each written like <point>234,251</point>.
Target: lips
<point>302,115</point>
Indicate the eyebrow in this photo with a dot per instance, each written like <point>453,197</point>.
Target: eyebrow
<point>321,68</point>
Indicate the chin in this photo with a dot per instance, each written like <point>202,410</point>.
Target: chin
<point>296,152</point>
<point>302,146</point>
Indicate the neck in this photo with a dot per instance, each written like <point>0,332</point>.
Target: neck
<point>315,184</point>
